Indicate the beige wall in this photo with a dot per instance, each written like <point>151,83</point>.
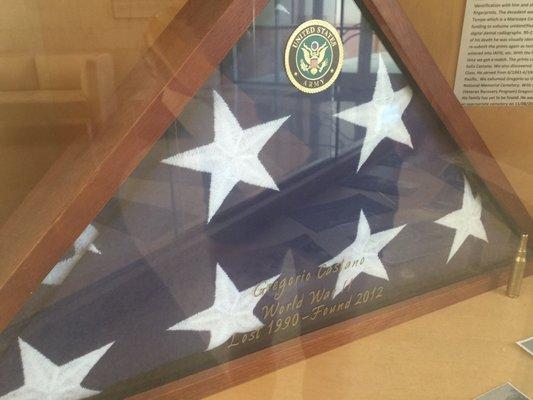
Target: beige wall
<point>508,131</point>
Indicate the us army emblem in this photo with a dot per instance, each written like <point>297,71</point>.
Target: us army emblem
<point>314,56</point>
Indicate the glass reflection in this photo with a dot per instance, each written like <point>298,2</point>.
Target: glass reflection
<point>61,66</point>
<point>329,214</point>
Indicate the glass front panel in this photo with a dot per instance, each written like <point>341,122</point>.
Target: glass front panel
<point>263,213</point>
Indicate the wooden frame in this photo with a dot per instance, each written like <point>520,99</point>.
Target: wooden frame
<point>68,198</point>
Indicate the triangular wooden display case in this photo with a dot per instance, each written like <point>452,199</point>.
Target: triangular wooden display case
<point>87,175</point>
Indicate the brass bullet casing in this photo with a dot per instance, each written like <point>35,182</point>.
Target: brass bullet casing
<point>519,267</point>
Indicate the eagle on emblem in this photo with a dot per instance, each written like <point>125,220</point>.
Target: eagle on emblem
<point>314,58</point>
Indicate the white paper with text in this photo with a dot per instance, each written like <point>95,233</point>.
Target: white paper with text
<point>496,57</point>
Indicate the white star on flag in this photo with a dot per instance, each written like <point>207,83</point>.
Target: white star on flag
<point>382,116</point>
<point>232,157</point>
<point>47,381</point>
<point>362,256</point>
<point>63,268</point>
<point>466,221</point>
<point>232,312</point>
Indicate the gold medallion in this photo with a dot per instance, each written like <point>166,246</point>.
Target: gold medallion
<point>314,56</point>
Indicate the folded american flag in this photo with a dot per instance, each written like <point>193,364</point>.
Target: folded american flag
<point>262,214</point>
